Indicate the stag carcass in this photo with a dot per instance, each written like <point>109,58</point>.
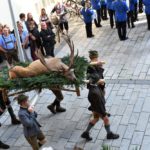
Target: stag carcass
<point>45,65</point>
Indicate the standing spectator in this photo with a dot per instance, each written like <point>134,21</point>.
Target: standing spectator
<point>61,11</point>
<point>96,5</point>
<point>22,20</point>
<point>120,7</point>
<point>5,103</point>
<point>29,20</point>
<point>34,39</point>
<point>1,31</point>
<point>27,115</point>
<point>87,13</point>
<point>104,9</point>
<point>147,11</point>
<point>44,18</point>
<point>140,6</point>
<point>48,39</point>
<point>96,99</point>
<point>135,10</point>
<point>110,12</point>
<point>130,19</point>
<point>8,45</point>
<point>24,38</point>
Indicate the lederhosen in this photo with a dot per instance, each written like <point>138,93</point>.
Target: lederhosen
<point>11,53</point>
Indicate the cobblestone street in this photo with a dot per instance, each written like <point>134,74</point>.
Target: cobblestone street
<point>127,74</point>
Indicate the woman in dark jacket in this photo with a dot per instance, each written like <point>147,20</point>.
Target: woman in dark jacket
<point>29,20</point>
<point>35,40</point>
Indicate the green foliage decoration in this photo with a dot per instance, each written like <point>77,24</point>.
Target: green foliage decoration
<point>52,79</point>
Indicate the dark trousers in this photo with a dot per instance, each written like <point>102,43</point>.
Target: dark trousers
<point>135,12</point>
<point>111,16</point>
<point>58,94</point>
<point>49,50</point>
<point>11,55</point>
<point>121,27</point>
<point>1,58</point>
<point>130,19</point>
<point>88,27</point>
<point>98,20</point>
<point>140,6</point>
<point>148,21</point>
<point>104,12</point>
<point>63,25</point>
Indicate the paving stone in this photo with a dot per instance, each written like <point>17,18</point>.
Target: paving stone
<point>129,132</point>
<point>125,144</point>
<point>122,108</point>
<point>146,105</point>
<point>142,122</point>
<point>133,98</point>
<point>145,143</point>
<point>120,131</point>
<point>134,118</point>
<point>121,91</point>
<point>137,138</point>
<point>78,114</point>
<point>75,135</point>
<point>147,129</point>
<point>128,94</point>
<point>138,105</point>
<point>127,114</point>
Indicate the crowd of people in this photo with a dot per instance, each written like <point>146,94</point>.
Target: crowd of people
<point>121,13</point>
<point>33,36</point>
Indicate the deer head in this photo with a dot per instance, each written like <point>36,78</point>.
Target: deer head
<point>66,71</point>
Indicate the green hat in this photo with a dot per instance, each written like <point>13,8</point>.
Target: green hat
<point>93,53</point>
<point>22,98</point>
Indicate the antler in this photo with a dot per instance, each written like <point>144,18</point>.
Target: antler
<point>39,54</point>
<point>71,46</point>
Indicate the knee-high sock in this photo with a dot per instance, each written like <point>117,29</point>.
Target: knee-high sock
<point>89,127</point>
<point>107,128</point>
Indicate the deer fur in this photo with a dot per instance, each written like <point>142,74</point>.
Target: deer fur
<point>37,68</point>
<point>45,65</point>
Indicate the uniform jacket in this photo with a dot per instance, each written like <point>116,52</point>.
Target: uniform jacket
<point>87,14</point>
<point>135,1</point>
<point>147,6</point>
<point>96,4</point>
<point>103,2</point>
<point>131,5</point>
<point>120,7</point>
<point>29,122</point>
<point>109,4</point>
